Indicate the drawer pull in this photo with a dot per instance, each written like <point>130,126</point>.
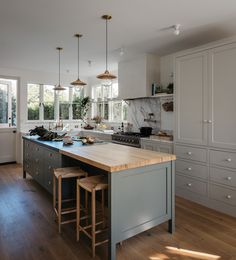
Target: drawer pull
<point>189,184</point>
<point>228,159</point>
<point>229,178</point>
<point>189,169</point>
<point>49,183</point>
<point>50,167</point>
<point>189,153</point>
<point>228,197</point>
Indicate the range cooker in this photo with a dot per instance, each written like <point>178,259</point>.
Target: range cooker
<point>128,138</point>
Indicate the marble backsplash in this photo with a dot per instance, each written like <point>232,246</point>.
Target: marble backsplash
<point>139,109</point>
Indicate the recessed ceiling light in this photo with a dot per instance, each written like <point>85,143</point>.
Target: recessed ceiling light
<point>176,29</point>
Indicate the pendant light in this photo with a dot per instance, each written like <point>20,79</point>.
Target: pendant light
<point>58,88</point>
<point>78,82</point>
<point>106,76</point>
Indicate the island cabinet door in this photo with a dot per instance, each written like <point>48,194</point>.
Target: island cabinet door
<point>140,199</point>
<point>38,162</point>
<point>28,164</point>
<point>52,159</point>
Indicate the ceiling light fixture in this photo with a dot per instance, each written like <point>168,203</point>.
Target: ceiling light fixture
<point>176,29</point>
<point>78,82</point>
<point>58,88</point>
<point>106,76</point>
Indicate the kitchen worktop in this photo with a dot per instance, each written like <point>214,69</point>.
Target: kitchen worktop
<point>113,157</point>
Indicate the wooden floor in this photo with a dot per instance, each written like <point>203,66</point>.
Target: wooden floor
<point>28,229</point>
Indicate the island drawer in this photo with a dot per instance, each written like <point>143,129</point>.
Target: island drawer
<point>222,158</point>
<point>191,169</point>
<point>223,176</point>
<point>191,185</point>
<point>192,153</point>
<point>223,194</point>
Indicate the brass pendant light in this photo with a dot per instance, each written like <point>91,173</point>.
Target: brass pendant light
<point>106,75</point>
<point>59,87</point>
<point>78,82</point>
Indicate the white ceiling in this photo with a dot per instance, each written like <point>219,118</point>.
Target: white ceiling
<point>30,30</point>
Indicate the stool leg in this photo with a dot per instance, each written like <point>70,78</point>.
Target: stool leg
<point>78,211</point>
<point>59,204</point>
<point>93,221</point>
<point>103,209</point>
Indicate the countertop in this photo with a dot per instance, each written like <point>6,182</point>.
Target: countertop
<point>114,157</point>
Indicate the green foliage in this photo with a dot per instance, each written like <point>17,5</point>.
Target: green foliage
<point>80,107</point>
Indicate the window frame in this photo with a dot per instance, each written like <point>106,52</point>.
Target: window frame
<point>56,105</point>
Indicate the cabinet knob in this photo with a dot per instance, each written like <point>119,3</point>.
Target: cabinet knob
<point>189,153</point>
<point>229,178</point>
<point>228,197</point>
<point>49,167</point>
<point>189,184</point>
<point>209,121</point>
<point>228,159</point>
<point>49,182</point>
<point>189,169</point>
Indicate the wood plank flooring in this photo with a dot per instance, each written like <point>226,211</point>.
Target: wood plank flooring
<point>28,229</point>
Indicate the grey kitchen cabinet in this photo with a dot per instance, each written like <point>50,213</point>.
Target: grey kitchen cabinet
<point>205,123</point>
<point>157,145</point>
<point>39,162</point>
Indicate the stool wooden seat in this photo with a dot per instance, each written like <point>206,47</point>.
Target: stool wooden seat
<point>59,174</point>
<point>92,185</point>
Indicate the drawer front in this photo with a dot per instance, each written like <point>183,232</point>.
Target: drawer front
<point>225,159</point>
<point>191,185</point>
<point>225,195</point>
<point>192,153</point>
<point>191,169</point>
<point>223,176</point>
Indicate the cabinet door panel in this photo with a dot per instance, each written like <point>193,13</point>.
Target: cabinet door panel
<point>191,98</point>
<point>223,92</point>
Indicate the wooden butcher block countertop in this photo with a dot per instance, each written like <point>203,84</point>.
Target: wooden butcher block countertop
<point>115,157</point>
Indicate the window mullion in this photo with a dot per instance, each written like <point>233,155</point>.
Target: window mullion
<point>41,103</point>
<point>70,102</point>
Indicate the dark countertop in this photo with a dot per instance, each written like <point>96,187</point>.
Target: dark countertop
<point>55,145</point>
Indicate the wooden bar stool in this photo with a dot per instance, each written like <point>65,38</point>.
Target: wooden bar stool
<point>59,174</point>
<point>92,185</point>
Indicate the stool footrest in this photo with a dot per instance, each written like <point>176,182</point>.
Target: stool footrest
<point>68,221</point>
<point>102,242</point>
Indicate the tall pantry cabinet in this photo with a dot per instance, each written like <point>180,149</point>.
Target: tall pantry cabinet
<point>205,126</point>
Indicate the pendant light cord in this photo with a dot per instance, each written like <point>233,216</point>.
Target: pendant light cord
<point>59,54</point>
<point>78,57</point>
<point>106,44</point>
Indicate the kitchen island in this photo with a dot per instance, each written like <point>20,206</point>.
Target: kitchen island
<point>141,186</point>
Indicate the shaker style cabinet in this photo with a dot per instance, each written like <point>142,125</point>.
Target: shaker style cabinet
<point>205,139</point>
<point>191,99</point>
<point>222,93</point>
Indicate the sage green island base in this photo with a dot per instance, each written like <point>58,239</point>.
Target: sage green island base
<point>141,183</point>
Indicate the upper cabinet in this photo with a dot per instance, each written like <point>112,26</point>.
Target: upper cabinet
<point>205,97</point>
<point>191,98</point>
<point>136,76</point>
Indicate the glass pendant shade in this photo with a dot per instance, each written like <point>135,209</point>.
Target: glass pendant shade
<point>106,75</point>
<point>59,87</point>
<point>78,82</point>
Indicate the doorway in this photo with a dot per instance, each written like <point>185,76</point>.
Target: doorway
<point>8,119</point>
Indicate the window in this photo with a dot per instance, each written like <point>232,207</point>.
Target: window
<point>44,104</point>
<point>8,90</point>
<point>106,105</point>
